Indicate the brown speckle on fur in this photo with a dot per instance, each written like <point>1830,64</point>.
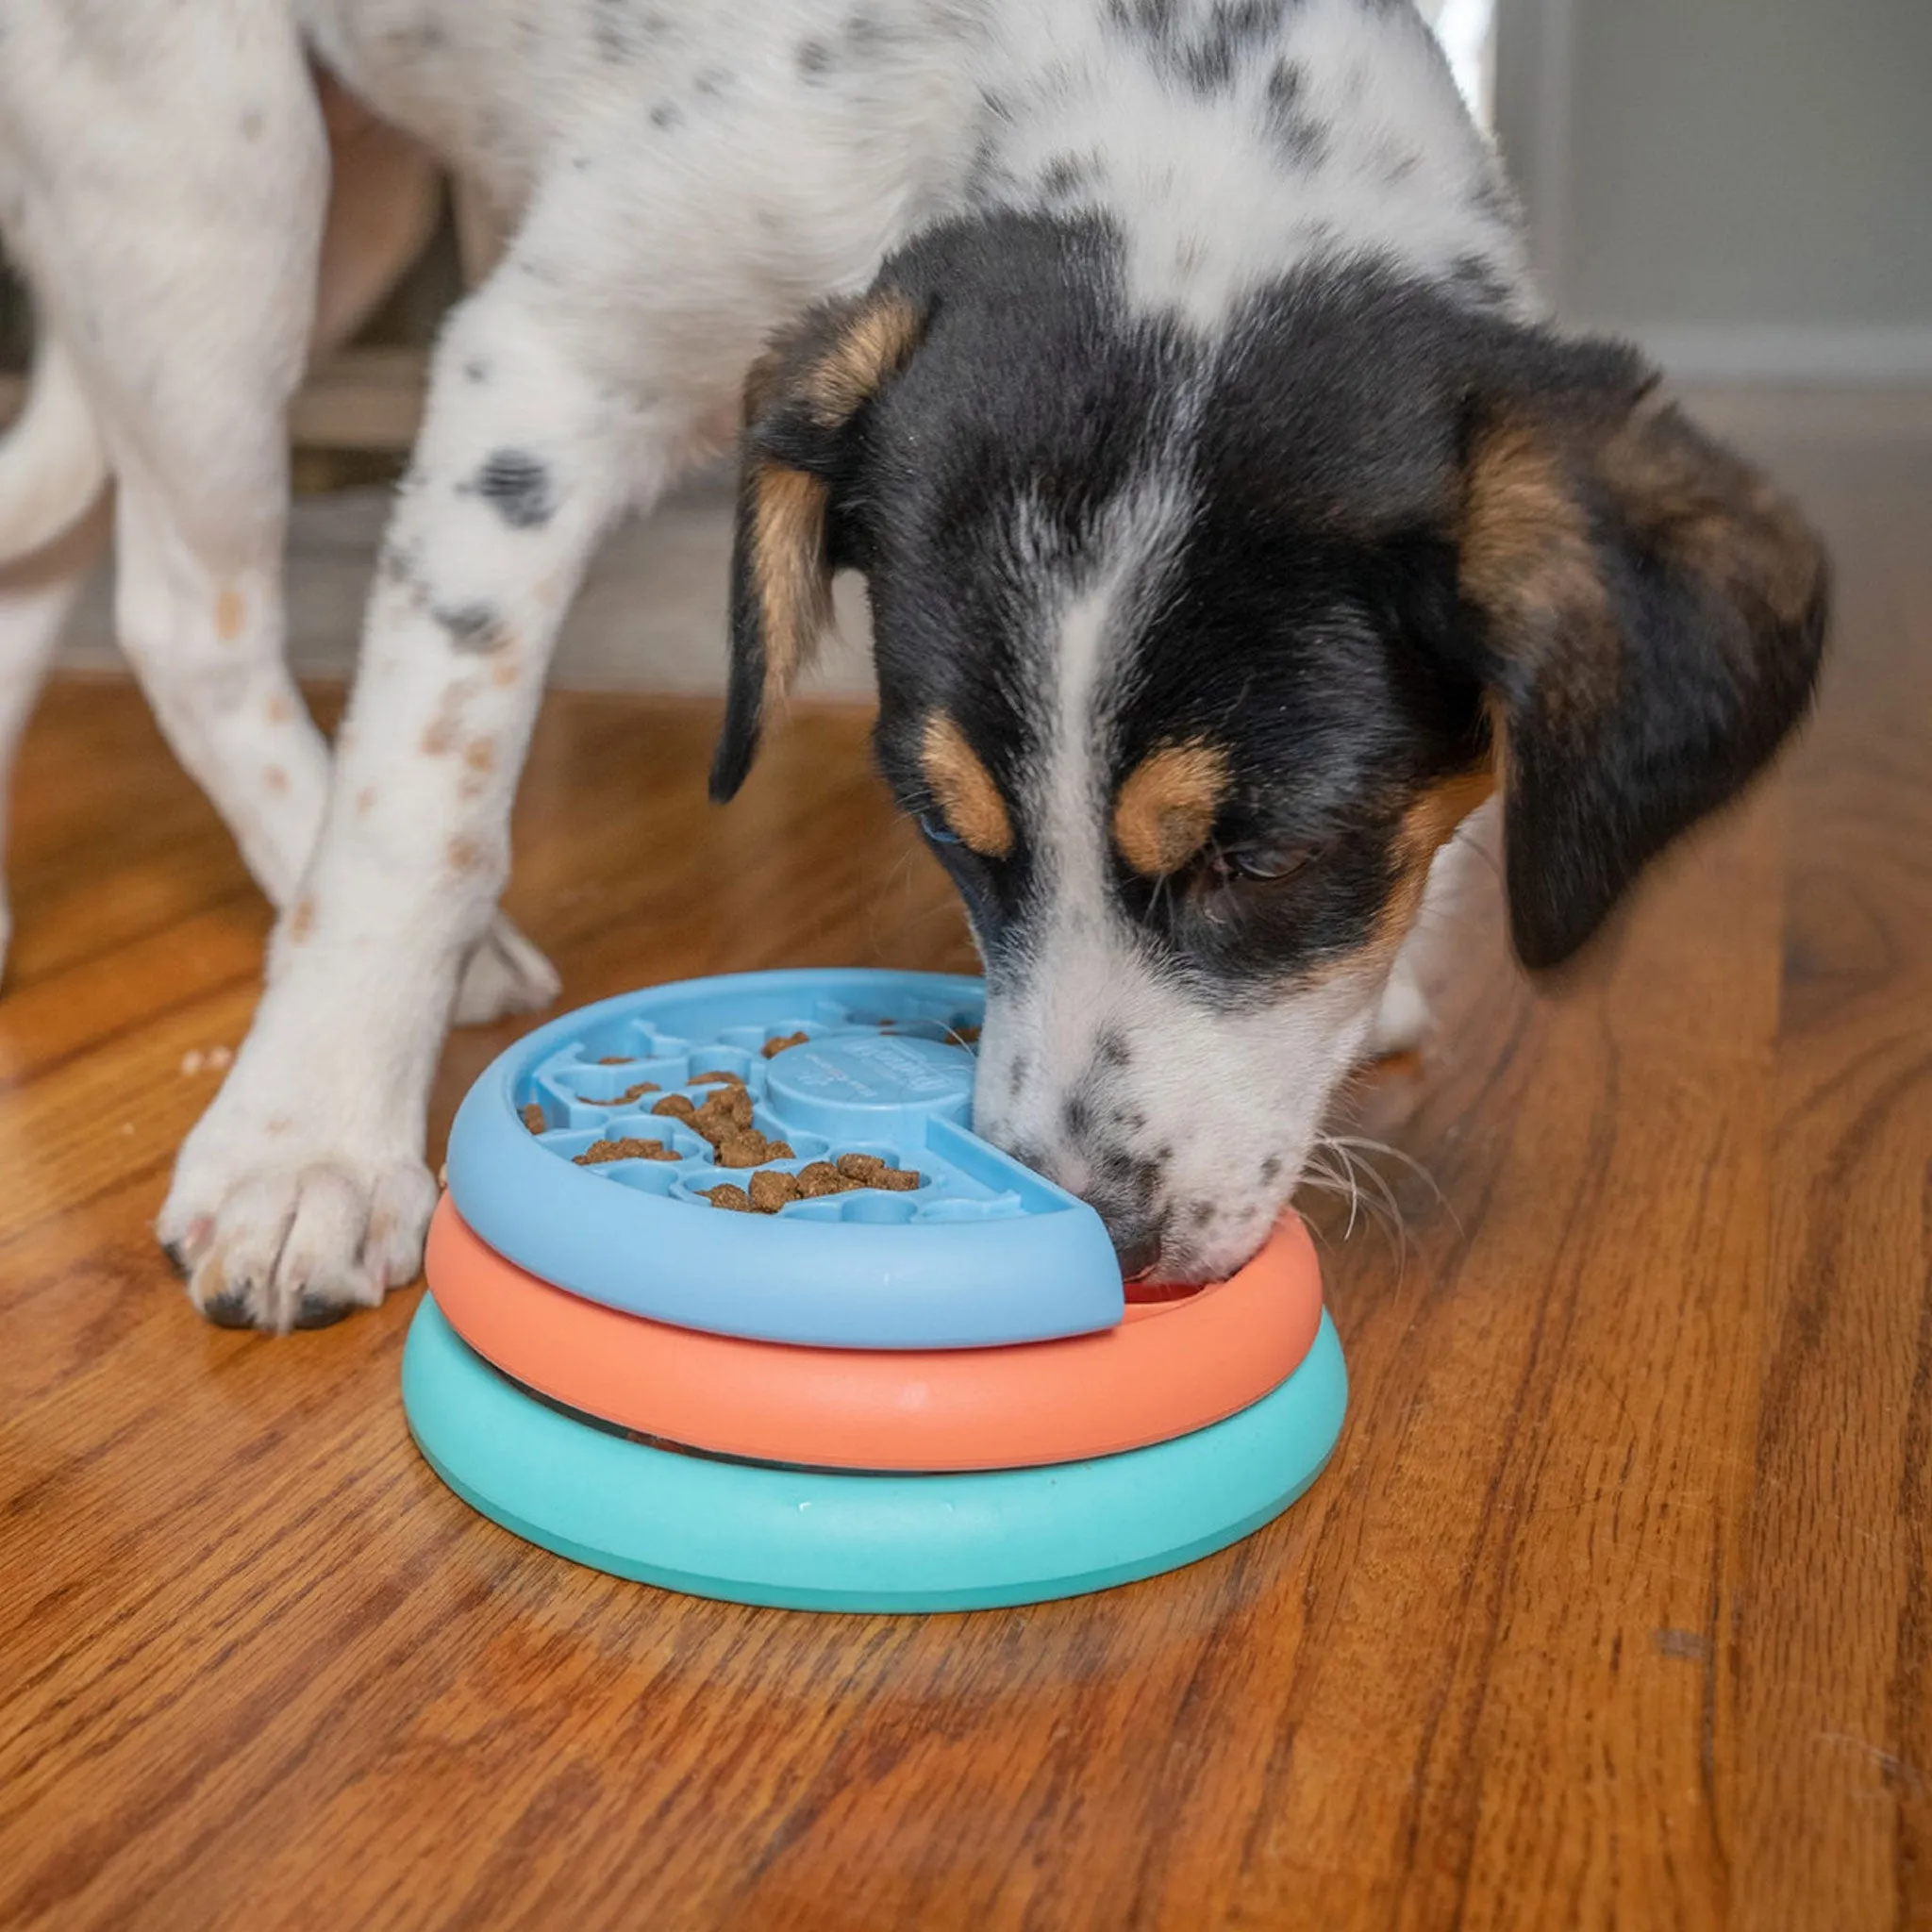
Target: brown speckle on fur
<point>464,855</point>
<point>231,613</point>
<point>278,709</point>
<point>1167,807</point>
<point>301,919</point>
<point>364,799</point>
<point>275,778</point>
<point>964,789</point>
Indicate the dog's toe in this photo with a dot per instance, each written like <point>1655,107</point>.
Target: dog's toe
<point>301,1247</point>
<point>227,1310</point>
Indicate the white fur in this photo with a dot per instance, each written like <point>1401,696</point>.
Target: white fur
<point>163,180</point>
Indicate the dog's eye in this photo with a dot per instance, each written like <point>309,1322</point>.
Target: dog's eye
<point>936,829</point>
<point>1266,864</point>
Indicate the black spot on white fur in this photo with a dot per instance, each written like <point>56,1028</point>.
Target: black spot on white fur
<point>476,628</point>
<point>516,485</point>
<point>1298,137</point>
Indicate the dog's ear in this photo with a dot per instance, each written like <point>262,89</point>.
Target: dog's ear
<point>1648,614</point>
<point>804,405</point>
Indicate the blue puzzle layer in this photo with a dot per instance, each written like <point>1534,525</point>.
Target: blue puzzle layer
<point>982,1252</point>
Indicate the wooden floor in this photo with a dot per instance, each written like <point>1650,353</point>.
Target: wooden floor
<point>1615,1607</point>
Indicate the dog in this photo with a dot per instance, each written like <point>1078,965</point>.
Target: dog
<point>1234,521</point>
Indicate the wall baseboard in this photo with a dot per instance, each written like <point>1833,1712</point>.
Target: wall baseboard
<point>1714,353</point>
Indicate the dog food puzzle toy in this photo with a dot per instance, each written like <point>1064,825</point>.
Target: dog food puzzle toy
<point>726,1295</point>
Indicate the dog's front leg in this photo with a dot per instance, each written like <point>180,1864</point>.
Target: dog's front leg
<point>303,1193</point>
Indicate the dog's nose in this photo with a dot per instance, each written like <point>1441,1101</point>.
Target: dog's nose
<point>1139,1249</point>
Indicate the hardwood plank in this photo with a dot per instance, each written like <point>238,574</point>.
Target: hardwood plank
<point>1614,1608</point>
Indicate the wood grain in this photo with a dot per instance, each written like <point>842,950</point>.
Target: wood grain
<point>1614,1610</point>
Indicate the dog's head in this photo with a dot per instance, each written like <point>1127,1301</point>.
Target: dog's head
<point>1191,653</point>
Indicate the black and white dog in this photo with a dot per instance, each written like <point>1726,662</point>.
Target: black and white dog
<point>1232,522</point>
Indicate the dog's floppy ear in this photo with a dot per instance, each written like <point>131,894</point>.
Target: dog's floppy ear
<point>804,401</point>
<point>1649,615</point>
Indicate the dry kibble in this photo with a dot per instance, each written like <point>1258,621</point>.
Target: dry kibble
<point>772,1188</point>
<point>727,1194</point>
<point>532,1116</point>
<point>675,1107</point>
<point>598,1152</point>
<point>616,1059</point>
<point>900,1180</point>
<point>966,1036</point>
<point>779,1150</point>
<point>743,1150</point>
<point>772,1048</point>
<point>629,1095</point>
<point>819,1177</point>
<point>865,1168</point>
<point>715,1076</point>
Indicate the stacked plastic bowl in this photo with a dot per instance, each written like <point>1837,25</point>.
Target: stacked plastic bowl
<point>891,1393</point>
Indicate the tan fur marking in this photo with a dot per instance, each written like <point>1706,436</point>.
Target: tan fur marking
<point>464,855</point>
<point>301,919</point>
<point>480,755</point>
<point>878,343</point>
<point>1167,807</point>
<point>1717,515</point>
<point>505,672</point>
<point>789,561</point>
<point>1428,824</point>
<point>275,778</point>
<point>364,799</point>
<point>231,612</point>
<point>1528,560</point>
<point>280,709</point>
<point>967,795</point>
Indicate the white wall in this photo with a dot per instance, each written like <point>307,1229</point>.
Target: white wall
<point>1745,185</point>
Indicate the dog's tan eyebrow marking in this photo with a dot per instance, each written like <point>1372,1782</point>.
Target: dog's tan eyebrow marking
<point>964,789</point>
<point>1167,805</point>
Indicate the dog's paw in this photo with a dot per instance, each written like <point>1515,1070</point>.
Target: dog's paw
<point>505,974</point>
<point>291,1246</point>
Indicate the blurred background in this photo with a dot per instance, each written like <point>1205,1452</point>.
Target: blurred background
<point>1743,186</point>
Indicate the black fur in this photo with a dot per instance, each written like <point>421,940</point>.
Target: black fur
<point>1313,624</point>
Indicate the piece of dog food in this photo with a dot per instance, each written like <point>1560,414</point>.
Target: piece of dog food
<point>863,1168</point>
<point>675,1107</point>
<point>772,1188</point>
<point>715,1076</point>
<point>966,1036</point>
<point>616,1059</point>
<point>629,1148</point>
<point>725,1194</point>
<point>772,1048</point>
<point>629,1095</point>
<point>819,1177</point>
<point>532,1117</point>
